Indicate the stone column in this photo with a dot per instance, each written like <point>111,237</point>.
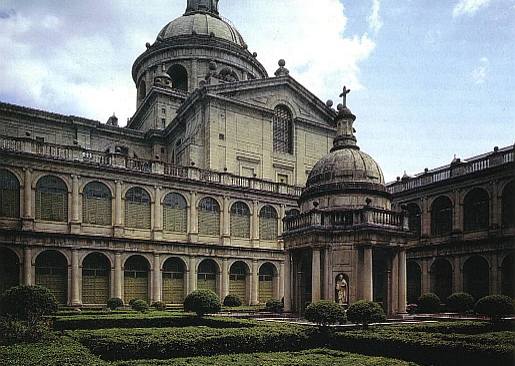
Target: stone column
<point>255,224</point>
<point>495,212</point>
<point>367,286</point>
<point>394,289</point>
<point>457,224</point>
<point>425,285</point>
<point>402,282</point>
<point>287,283</point>
<point>118,209</point>
<point>75,219</point>
<point>315,275</point>
<point>226,222</point>
<point>193,219</point>
<point>75,299</point>
<point>425,230</point>
<point>27,194</point>
<point>282,213</point>
<point>27,267</point>
<point>254,295</point>
<point>326,293</point>
<point>157,279</point>
<point>193,275</point>
<point>280,281</point>
<point>457,280</point>
<point>158,220</point>
<point>225,278</point>
<point>495,274</point>
<point>118,276</point>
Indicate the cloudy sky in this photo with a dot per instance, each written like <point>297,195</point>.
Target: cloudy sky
<point>429,79</point>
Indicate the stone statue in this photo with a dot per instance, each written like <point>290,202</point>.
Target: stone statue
<point>344,96</point>
<point>341,290</point>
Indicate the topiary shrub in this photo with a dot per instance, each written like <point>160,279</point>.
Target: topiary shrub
<point>16,331</point>
<point>140,305</point>
<point>325,313</point>
<point>460,302</point>
<point>202,302</point>
<point>429,303</point>
<point>232,301</point>
<point>28,303</point>
<point>495,307</point>
<point>131,301</point>
<point>365,312</point>
<point>114,303</point>
<point>274,306</point>
<point>159,306</point>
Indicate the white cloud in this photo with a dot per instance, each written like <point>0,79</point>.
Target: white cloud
<point>469,7</point>
<point>77,59</point>
<point>374,19</point>
<point>480,73</point>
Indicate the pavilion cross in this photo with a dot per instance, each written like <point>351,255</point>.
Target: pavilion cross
<point>344,95</point>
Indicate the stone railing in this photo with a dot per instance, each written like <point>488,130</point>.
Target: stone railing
<point>347,219</point>
<point>458,168</point>
<point>115,160</point>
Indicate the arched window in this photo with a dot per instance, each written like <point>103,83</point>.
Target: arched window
<point>9,270</point>
<point>51,199</point>
<point>136,277</point>
<point>266,282</point>
<point>268,223</point>
<point>476,273</point>
<point>476,210</point>
<point>142,90</point>
<point>9,195</point>
<point>173,281</point>
<point>508,205</point>
<point>52,273</point>
<point>414,275</point>
<point>97,205</point>
<point>507,281</point>
<point>283,130</point>
<point>240,220</point>
<point>238,280</point>
<point>175,213</point>
<point>96,270</point>
<point>414,218</point>
<point>137,209</point>
<point>209,217</point>
<point>179,77</point>
<point>441,278</point>
<point>207,275</point>
<point>441,216</point>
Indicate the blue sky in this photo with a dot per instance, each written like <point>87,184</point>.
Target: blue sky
<point>429,79</point>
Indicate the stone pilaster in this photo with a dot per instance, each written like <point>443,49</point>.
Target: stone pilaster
<point>192,286</point>
<point>75,219</point>
<point>118,276</point>
<point>402,282</point>
<point>118,209</point>
<point>287,283</point>
<point>157,279</point>
<point>27,267</point>
<point>75,299</point>
<point>254,295</point>
<point>193,219</point>
<point>226,222</point>
<point>28,216</point>
<point>315,275</point>
<point>157,230</point>
<point>367,286</point>
<point>225,278</point>
<point>255,224</point>
<point>280,282</point>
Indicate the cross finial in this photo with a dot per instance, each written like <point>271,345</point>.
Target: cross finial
<point>344,95</point>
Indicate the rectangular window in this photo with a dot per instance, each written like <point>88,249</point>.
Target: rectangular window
<point>247,172</point>
<point>282,178</point>
<point>163,123</point>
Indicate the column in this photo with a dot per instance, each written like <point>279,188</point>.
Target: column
<point>280,281</point>
<point>457,280</point>
<point>254,287</point>
<point>27,266</point>
<point>457,225</point>
<point>282,213</point>
<point>118,209</point>
<point>402,282</point>
<point>425,285</point>
<point>394,289</point>
<point>193,275</point>
<point>315,275</point>
<point>27,195</point>
<point>495,274</point>
<point>367,274</point>
<point>158,220</point>
<point>118,276</point>
<point>193,219</point>
<point>255,224</point>
<point>495,213</point>
<point>225,278</point>
<point>226,223</point>
<point>326,293</point>
<point>157,279</point>
<point>287,283</point>
<point>75,199</point>
<point>75,280</point>
<point>425,230</point>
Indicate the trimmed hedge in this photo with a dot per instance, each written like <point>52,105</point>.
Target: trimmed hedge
<point>325,313</point>
<point>232,301</point>
<point>429,303</point>
<point>460,302</point>
<point>28,303</point>
<point>202,302</point>
<point>365,312</point>
<point>275,306</point>
<point>140,306</point>
<point>114,303</point>
<point>495,307</point>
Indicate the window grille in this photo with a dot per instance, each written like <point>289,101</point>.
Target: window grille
<point>209,217</point>
<point>175,213</point>
<point>283,130</point>
<point>240,220</point>
<point>268,223</point>
<point>51,200</point>
<point>97,205</point>
<point>137,209</point>
<point>9,195</point>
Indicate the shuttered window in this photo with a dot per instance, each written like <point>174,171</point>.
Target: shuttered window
<point>97,205</point>
<point>206,277</point>
<point>51,200</point>
<point>136,278</point>
<point>9,195</point>
<point>266,284</point>
<point>175,213</point>
<point>173,281</point>
<point>238,281</point>
<point>268,223</point>
<point>240,220</point>
<point>209,217</point>
<point>137,209</point>
<point>283,130</point>
<point>96,271</point>
<point>52,273</point>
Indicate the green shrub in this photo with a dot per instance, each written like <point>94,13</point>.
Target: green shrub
<point>16,331</point>
<point>325,313</point>
<point>495,307</point>
<point>232,301</point>
<point>131,301</point>
<point>429,303</point>
<point>140,306</point>
<point>365,312</point>
<point>159,305</point>
<point>114,303</point>
<point>274,306</point>
<point>28,303</point>
<point>202,302</point>
<point>460,302</point>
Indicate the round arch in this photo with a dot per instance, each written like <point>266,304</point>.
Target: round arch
<point>267,274</point>
<point>508,204</point>
<point>138,203</point>
<point>96,279</point>
<point>240,220</point>
<point>476,277</point>
<point>239,281</point>
<point>414,217</point>
<point>207,275</point>
<point>9,269</point>
<point>282,122</point>
<point>52,273</point>
<point>209,216</point>
<point>136,278</point>
<point>441,216</point>
<point>175,213</point>
<point>173,272</point>
<point>414,274</point>
<point>268,225</point>
<point>441,278</point>
<point>476,210</point>
<point>52,199</point>
<point>97,204</point>
<point>507,273</point>
<point>9,194</point>
<point>179,76</point>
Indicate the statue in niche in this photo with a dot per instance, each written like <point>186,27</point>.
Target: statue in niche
<point>341,290</point>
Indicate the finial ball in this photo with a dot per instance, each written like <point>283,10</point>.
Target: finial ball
<point>282,63</point>
<point>329,103</point>
<point>340,107</point>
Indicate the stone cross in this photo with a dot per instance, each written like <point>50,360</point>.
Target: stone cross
<point>344,95</point>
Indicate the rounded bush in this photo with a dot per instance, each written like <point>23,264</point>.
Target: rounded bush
<point>159,305</point>
<point>202,302</point>
<point>274,306</point>
<point>28,303</point>
<point>495,307</point>
<point>232,301</point>
<point>17,331</point>
<point>114,303</point>
<point>460,302</point>
<point>429,303</point>
<point>325,313</point>
<point>365,312</point>
<point>140,305</point>
<point>131,301</point>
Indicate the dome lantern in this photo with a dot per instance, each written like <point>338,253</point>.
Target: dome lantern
<point>203,6</point>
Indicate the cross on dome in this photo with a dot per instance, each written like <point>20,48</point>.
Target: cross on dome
<point>344,95</point>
